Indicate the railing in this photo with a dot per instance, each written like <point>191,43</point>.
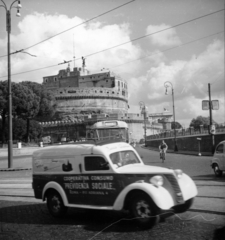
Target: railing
<point>184,132</point>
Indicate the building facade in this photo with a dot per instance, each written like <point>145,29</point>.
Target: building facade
<point>84,98</point>
<point>79,93</point>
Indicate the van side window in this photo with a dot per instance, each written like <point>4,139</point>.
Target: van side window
<point>95,164</point>
<point>219,149</point>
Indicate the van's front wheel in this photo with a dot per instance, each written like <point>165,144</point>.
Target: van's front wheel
<point>55,204</point>
<point>144,211</point>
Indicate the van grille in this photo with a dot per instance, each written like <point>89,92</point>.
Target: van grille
<point>173,181</point>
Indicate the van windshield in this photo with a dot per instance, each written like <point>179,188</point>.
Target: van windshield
<point>123,158</point>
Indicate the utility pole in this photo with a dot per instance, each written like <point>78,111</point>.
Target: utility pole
<point>210,119</point>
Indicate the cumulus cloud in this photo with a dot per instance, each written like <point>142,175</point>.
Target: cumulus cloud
<point>190,80</point>
<point>86,39</point>
<point>165,38</point>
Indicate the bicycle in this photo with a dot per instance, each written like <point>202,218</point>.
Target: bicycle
<point>162,155</point>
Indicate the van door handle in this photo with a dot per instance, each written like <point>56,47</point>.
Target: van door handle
<point>80,167</point>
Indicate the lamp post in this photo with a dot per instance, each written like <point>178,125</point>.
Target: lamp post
<point>167,85</point>
<point>8,29</point>
<point>144,112</point>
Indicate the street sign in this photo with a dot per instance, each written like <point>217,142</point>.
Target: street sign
<point>205,104</point>
<point>215,105</point>
<point>212,129</point>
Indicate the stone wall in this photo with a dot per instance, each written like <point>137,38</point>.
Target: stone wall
<point>189,143</point>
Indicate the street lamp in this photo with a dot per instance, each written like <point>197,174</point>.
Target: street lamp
<point>8,29</point>
<point>167,85</point>
<point>144,111</point>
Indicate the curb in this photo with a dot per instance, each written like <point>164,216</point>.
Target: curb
<point>13,169</point>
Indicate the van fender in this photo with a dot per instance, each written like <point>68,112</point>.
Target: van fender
<point>58,188</point>
<point>187,187</point>
<point>159,195</point>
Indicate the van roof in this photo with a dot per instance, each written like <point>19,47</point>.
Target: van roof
<point>80,149</point>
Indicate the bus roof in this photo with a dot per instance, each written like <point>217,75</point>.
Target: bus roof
<point>110,124</point>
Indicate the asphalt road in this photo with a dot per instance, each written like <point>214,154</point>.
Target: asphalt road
<point>23,217</point>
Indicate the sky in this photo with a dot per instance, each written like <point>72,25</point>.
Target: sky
<point>146,42</point>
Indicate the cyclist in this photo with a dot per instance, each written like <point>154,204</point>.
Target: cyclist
<point>162,150</point>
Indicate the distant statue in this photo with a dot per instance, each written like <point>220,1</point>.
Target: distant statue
<point>83,62</point>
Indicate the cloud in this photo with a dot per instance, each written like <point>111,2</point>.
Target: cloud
<point>86,39</point>
<point>165,38</point>
<point>190,80</point>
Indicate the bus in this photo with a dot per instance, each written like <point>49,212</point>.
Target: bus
<point>109,130</point>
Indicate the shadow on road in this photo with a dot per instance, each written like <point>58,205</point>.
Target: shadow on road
<point>19,220</point>
<point>209,177</point>
<point>219,233</point>
<point>94,220</point>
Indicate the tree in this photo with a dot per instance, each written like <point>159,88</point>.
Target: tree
<point>177,125</point>
<point>25,104</point>
<point>3,106</point>
<point>19,130</point>
<point>200,120</point>
<point>47,104</point>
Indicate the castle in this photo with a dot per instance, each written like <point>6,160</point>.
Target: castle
<point>77,92</point>
<point>84,98</point>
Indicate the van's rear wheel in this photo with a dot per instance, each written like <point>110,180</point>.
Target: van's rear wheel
<point>144,210</point>
<point>55,204</point>
<point>217,170</point>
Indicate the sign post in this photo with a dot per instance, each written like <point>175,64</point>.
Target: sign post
<point>199,146</point>
<point>211,105</point>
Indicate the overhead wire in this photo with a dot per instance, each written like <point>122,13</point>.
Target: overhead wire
<point>135,39</point>
<point>147,35</point>
<point>168,49</point>
<point>132,40</point>
<point>165,50</point>
<point>71,28</point>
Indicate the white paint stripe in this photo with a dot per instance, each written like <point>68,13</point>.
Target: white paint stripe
<point>16,185</point>
<point>14,181</point>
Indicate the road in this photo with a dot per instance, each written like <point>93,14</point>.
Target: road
<point>23,217</point>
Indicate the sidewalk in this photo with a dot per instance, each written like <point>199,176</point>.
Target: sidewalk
<point>21,159</point>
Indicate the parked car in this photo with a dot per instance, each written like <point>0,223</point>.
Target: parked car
<point>109,176</point>
<point>218,160</point>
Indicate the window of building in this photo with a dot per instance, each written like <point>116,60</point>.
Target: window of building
<point>118,83</point>
<point>55,78</point>
<point>46,79</point>
<point>121,84</point>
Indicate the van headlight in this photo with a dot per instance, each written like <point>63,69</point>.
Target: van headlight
<point>157,181</point>
<point>178,173</point>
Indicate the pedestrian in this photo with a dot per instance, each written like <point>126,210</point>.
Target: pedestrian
<point>162,150</point>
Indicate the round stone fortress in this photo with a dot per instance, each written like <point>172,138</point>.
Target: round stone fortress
<point>79,92</point>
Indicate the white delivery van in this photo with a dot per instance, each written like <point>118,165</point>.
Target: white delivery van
<point>109,176</point>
